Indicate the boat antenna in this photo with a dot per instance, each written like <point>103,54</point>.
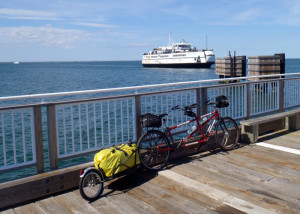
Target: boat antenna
<point>206,42</point>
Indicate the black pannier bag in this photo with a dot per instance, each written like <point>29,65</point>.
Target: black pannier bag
<point>150,120</point>
<point>222,101</point>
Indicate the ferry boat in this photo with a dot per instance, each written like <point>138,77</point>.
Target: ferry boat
<point>178,55</point>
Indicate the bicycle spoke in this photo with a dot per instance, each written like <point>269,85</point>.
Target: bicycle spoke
<point>91,185</point>
<point>151,155</point>
<point>227,133</point>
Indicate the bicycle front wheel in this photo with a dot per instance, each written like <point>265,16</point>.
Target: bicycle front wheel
<point>227,133</point>
<point>91,185</point>
<point>154,150</point>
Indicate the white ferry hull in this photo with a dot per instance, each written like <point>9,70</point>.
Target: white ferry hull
<point>180,65</point>
<point>199,59</point>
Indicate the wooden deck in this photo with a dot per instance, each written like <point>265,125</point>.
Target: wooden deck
<point>250,179</point>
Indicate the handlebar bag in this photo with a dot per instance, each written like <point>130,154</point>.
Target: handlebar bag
<point>222,101</point>
<point>151,120</point>
<point>117,159</point>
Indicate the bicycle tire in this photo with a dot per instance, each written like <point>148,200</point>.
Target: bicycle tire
<point>227,133</point>
<point>91,185</point>
<point>153,158</point>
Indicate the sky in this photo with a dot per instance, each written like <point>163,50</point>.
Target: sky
<point>90,30</point>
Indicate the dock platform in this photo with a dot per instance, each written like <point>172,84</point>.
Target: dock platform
<point>256,178</point>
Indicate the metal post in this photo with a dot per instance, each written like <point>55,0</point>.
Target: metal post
<point>248,100</point>
<point>138,116</point>
<point>52,136</point>
<point>198,100</point>
<point>203,99</point>
<point>38,135</point>
<point>281,95</point>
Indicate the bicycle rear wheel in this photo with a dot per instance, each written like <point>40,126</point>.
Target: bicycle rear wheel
<point>91,185</point>
<point>227,133</point>
<point>154,150</point>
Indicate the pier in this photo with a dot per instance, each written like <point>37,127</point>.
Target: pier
<point>259,178</point>
<point>49,134</point>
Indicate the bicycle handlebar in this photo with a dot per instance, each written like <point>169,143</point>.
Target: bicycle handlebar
<point>175,107</point>
<point>208,102</point>
<point>186,108</point>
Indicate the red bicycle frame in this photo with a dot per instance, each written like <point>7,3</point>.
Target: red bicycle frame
<point>205,136</point>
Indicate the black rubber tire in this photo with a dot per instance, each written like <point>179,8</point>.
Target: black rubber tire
<point>151,158</point>
<point>227,134</point>
<point>91,185</point>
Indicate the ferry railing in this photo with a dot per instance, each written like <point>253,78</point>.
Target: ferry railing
<point>45,134</point>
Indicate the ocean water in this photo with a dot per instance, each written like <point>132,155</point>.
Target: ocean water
<point>48,77</point>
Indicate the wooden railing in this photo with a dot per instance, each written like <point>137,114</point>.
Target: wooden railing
<point>46,133</point>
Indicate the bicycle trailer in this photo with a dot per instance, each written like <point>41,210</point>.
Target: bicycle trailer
<point>117,159</point>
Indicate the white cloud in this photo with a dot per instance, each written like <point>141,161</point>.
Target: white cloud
<point>291,15</point>
<point>95,25</point>
<point>137,45</point>
<point>248,15</point>
<point>295,7</point>
<point>26,14</point>
<point>44,36</point>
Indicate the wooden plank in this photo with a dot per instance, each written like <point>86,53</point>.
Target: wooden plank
<point>268,118</point>
<point>283,186</point>
<point>40,185</point>
<point>234,202</point>
<point>178,201</point>
<point>49,205</point>
<point>213,176</point>
<point>260,160</point>
<point>115,195</point>
<point>74,203</point>
<point>8,211</point>
<point>155,198</point>
<point>261,179</point>
<point>199,200</point>
<point>28,208</point>
<point>120,203</point>
<point>104,205</point>
<point>290,140</point>
<point>241,182</point>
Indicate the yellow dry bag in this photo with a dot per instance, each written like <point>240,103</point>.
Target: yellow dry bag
<point>117,158</point>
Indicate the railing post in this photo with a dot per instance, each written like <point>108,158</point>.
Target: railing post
<point>38,135</point>
<point>198,100</point>
<point>203,99</point>
<point>248,100</point>
<point>281,95</point>
<point>137,116</point>
<point>52,136</point>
